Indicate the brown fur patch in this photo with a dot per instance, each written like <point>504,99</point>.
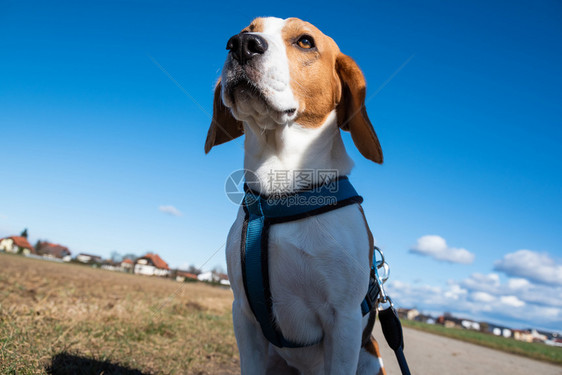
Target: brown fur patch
<point>314,81</point>
<point>372,347</point>
<point>323,79</point>
<point>224,127</point>
<point>257,26</point>
<point>352,115</point>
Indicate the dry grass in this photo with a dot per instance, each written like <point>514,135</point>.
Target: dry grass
<point>70,319</point>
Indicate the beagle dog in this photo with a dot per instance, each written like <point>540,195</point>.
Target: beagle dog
<point>287,87</point>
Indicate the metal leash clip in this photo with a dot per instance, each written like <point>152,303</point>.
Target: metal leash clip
<point>390,323</point>
<point>375,291</point>
<point>380,280</point>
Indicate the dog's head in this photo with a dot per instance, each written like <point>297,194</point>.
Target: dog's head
<point>281,72</point>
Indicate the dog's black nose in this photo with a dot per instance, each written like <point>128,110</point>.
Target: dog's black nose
<point>245,46</point>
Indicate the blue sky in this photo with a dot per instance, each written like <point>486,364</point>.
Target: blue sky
<point>96,137</point>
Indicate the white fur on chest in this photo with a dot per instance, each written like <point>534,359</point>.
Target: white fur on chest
<point>318,267</point>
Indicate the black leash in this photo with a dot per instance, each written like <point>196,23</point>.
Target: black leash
<point>390,323</point>
<point>392,330</point>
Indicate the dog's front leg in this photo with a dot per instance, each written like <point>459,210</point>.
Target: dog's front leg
<point>252,345</point>
<point>342,343</point>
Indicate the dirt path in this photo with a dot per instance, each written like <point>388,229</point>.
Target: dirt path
<point>432,354</point>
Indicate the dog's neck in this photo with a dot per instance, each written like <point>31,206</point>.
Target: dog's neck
<point>285,158</point>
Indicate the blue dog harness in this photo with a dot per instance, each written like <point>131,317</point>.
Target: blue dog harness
<point>261,213</point>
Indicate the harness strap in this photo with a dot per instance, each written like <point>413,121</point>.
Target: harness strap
<point>261,212</point>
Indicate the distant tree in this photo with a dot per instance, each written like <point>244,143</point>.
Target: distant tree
<point>116,257</point>
<point>24,233</point>
<point>130,256</point>
<point>194,270</point>
<point>37,246</point>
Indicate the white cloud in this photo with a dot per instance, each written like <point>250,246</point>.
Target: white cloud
<point>436,247</point>
<point>551,312</point>
<point>518,283</point>
<point>455,292</point>
<point>170,210</point>
<point>482,297</point>
<point>540,294</point>
<point>531,265</point>
<point>485,283</point>
<point>515,303</point>
<point>512,301</point>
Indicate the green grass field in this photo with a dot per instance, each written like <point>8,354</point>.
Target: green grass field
<point>532,350</point>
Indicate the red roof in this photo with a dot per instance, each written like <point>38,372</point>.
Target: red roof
<point>128,261</point>
<point>59,251</point>
<point>22,242</point>
<point>156,260</point>
<point>187,275</point>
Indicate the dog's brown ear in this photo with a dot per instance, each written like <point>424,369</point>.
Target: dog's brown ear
<point>224,127</point>
<point>352,115</point>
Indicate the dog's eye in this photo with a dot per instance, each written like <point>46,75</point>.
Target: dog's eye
<point>306,42</point>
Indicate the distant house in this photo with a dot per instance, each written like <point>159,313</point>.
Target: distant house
<point>522,335</point>
<point>551,335</point>
<point>214,277</point>
<point>223,279</point>
<point>425,319</point>
<point>409,314</point>
<point>111,265</point>
<point>538,336</point>
<point>529,335</point>
<point>152,265</point>
<point>88,258</point>
<point>209,277</point>
<point>16,245</point>
<point>470,324</point>
<point>449,321</point>
<point>51,250</point>
<point>505,332</point>
<point>182,276</point>
<point>127,265</point>
<point>500,330</point>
